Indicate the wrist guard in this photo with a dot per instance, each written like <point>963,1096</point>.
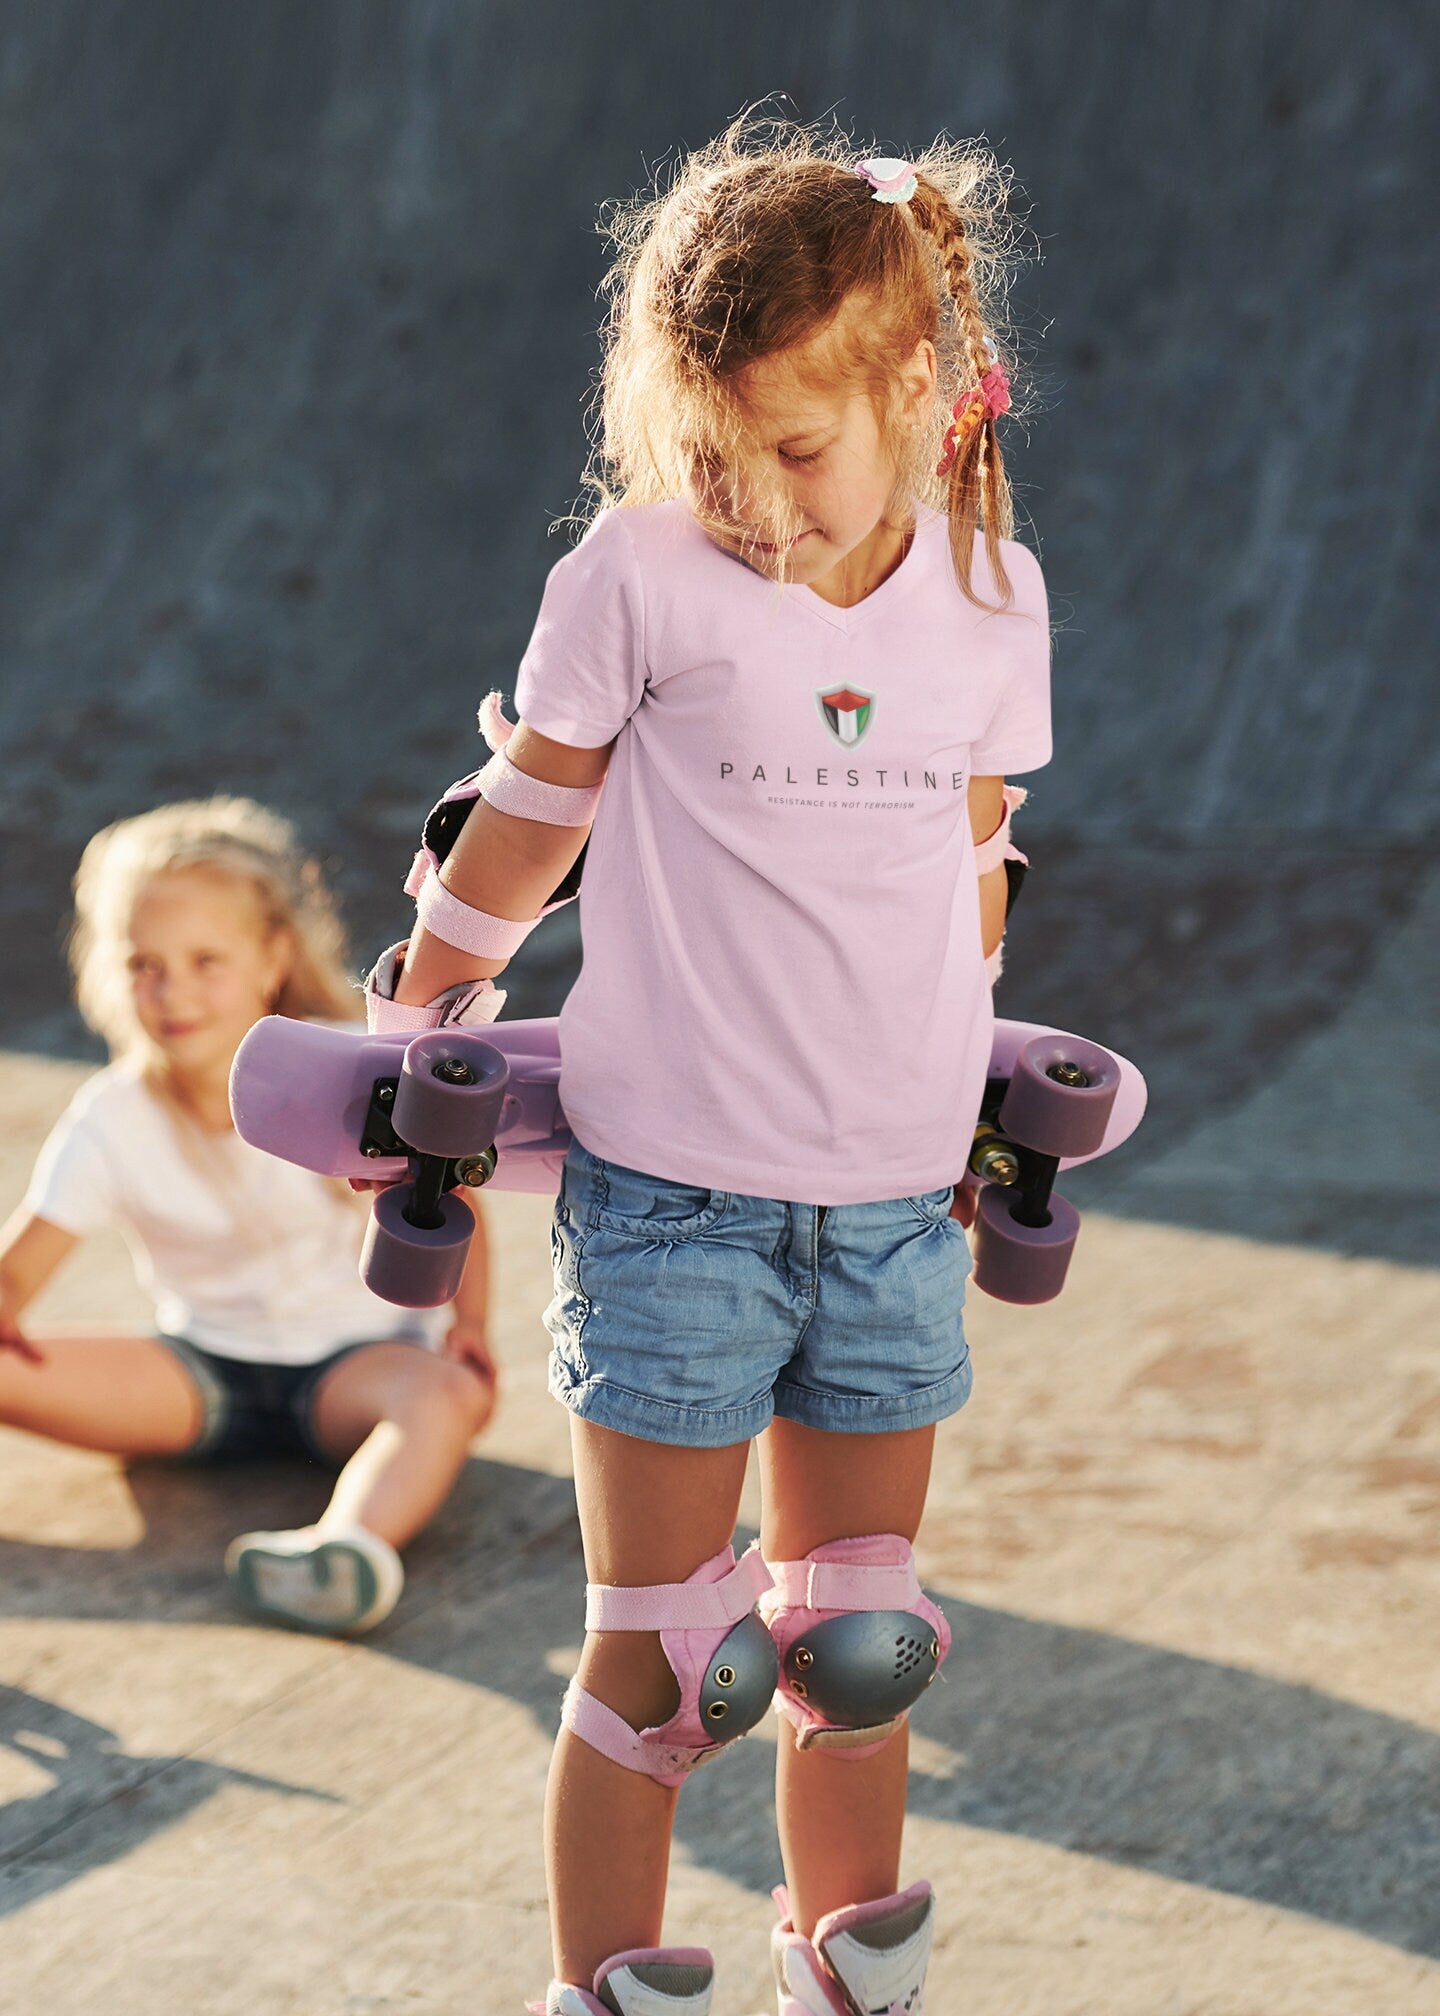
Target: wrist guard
<point>473,1004</point>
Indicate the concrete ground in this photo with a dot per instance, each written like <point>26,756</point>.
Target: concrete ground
<point>1186,1759</point>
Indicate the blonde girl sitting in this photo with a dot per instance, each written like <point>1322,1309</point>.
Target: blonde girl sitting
<point>192,921</point>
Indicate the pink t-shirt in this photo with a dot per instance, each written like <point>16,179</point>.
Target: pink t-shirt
<point>783,990</point>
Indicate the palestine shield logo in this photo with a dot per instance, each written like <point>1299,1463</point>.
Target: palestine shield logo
<point>846,713</point>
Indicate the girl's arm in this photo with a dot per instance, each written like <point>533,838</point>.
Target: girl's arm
<point>507,866</point>
<point>468,1337</point>
<point>31,1249</point>
<point>987,809</point>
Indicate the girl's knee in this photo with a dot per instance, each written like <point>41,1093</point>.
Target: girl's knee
<point>629,1672</point>
<point>470,1397</point>
<point>444,1394</point>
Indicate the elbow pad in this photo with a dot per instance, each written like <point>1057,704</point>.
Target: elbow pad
<point>509,791</point>
<point>996,851</point>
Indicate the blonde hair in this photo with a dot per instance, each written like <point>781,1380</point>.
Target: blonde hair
<point>225,836</point>
<point>766,239</point>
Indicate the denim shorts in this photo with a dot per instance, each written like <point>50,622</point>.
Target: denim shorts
<point>251,1409</point>
<point>693,1316</point>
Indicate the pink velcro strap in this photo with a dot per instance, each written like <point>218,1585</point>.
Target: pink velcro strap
<point>383,1016</point>
<point>680,1606</point>
<point>995,848</point>
<point>424,864</point>
<point>524,797</point>
<point>842,1585</point>
<point>471,1004</point>
<point>466,928</point>
<point>589,1719</point>
<point>493,725</point>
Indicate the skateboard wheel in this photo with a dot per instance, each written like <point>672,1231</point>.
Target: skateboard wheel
<point>417,1266</point>
<point>452,1086</point>
<point>1022,1263</point>
<point>1060,1094</point>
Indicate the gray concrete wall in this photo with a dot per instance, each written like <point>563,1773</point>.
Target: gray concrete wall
<point>299,329</point>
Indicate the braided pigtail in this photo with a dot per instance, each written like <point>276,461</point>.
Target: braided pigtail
<point>979,492</point>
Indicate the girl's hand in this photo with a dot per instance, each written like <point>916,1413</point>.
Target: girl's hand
<point>465,1342</point>
<point>13,1338</point>
<point>963,1207</point>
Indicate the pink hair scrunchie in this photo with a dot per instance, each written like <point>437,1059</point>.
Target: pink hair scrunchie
<point>985,401</point>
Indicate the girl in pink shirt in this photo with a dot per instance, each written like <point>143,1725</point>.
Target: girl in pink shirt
<point>801,651</point>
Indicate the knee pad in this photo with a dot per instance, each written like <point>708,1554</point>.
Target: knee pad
<point>857,1639</point>
<point>720,1652</point>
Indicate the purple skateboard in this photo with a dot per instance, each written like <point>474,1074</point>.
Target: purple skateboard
<point>428,1113</point>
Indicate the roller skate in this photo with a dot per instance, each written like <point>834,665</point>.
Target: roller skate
<point>864,1960</point>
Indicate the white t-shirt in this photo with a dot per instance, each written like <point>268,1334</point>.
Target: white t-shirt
<point>783,990</point>
<point>260,1262</point>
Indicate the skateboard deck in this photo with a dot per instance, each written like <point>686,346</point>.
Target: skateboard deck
<point>302,1091</point>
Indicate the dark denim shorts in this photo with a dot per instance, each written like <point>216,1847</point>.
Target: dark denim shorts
<point>693,1316</point>
<point>253,1410</point>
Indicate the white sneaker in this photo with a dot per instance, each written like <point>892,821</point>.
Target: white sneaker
<point>658,1981</point>
<point>323,1578</point>
<point>869,1960</point>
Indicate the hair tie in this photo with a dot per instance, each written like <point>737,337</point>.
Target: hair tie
<point>890,181</point>
<point>985,401</point>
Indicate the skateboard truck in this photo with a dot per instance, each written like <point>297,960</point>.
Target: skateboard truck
<point>353,1104</point>
<point>995,1158</point>
<point>1055,1104</point>
<point>446,1098</point>
<point>430,1175</point>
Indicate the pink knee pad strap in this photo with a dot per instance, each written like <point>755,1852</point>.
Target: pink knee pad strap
<point>858,1641</point>
<point>718,1649</point>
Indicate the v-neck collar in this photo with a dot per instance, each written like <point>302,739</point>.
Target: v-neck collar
<point>849,618</point>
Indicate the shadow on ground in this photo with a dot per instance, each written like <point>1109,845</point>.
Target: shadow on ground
<point>92,1777</point>
<point>1090,1743</point>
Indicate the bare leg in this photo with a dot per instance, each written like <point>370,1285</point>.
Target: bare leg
<point>402,1420</point>
<point>840,1818</point>
<point>123,1395</point>
<point>649,1513</point>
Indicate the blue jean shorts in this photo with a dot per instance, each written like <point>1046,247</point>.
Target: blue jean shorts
<point>693,1316</point>
<point>252,1410</point>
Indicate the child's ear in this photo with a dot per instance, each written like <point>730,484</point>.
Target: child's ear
<point>918,380</point>
<point>280,950</point>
